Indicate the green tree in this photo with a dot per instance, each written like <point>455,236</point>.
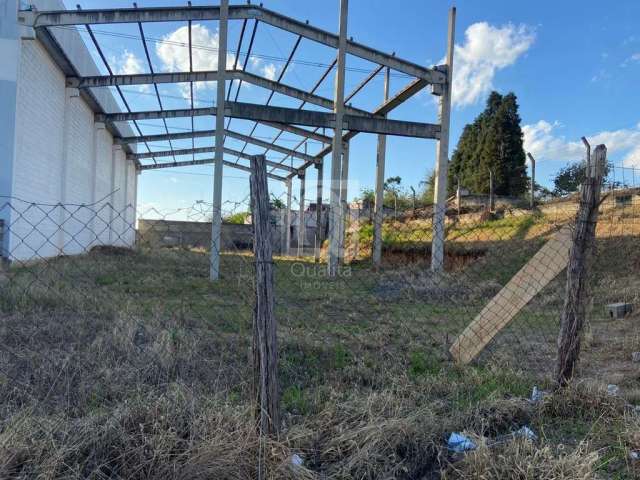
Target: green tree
<point>492,142</point>
<point>237,218</point>
<point>570,177</point>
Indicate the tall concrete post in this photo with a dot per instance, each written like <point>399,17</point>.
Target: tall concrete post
<point>216,223</point>
<point>344,203</point>
<point>116,153</point>
<point>301,219</point>
<point>10,46</point>
<point>96,223</point>
<point>442,156</point>
<point>319,229</point>
<point>71,96</point>
<point>532,204</point>
<point>335,217</point>
<point>287,223</point>
<point>378,217</point>
<point>492,198</point>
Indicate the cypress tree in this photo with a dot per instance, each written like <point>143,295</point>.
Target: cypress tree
<point>492,142</point>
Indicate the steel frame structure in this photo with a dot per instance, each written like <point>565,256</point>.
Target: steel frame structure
<point>343,120</point>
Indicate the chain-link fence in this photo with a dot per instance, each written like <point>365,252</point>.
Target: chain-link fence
<point>119,358</point>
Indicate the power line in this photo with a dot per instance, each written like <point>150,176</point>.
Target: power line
<point>271,58</point>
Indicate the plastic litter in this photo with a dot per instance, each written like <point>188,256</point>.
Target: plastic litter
<point>526,432</point>
<point>460,443</point>
<point>297,460</point>
<point>613,390</point>
<point>634,455</point>
<point>635,357</point>
<point>537,395</point>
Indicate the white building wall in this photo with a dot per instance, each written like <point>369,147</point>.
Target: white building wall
<point>63,157</point>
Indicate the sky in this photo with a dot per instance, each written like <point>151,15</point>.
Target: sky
<point>574,66</point>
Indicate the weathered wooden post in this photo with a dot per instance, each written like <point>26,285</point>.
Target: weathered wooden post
<point>265,347</point>
<point>573,313</point>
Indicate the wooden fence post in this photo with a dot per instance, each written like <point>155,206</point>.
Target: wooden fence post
<point>265,348</point>
<point>572,320</point>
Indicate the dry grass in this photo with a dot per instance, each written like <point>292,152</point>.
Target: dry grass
<point>130,364</point>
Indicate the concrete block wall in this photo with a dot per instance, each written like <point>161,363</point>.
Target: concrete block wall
<point>56,154</point>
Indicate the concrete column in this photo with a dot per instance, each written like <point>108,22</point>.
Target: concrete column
<point>319,229</point>
<point>301,219</point>
<point>135,206</point>
<point>116,152</point>
<point>287,223</point>
<point>9,71</point>
<point>378,217</point>
<point>492,203</point>
<point>442,156</point>
<point>532,200</point>
<point>344,203</point>
<point>96,225</point>
<point>216,224</point>
<point>72,95</point>
<point>335,217</point>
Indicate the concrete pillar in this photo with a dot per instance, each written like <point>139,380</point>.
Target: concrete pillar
<point>532,199</point>
<point>442,156</point>
<point>492,202</point>
<point>344,202</point>
<point>10,55</point>
<point>319,229</point>
<point>287,224</point>
<point>216,224</point>
<point>335,217</point>
<point>301,219</point>
<point>116,153</point>
<point>135,206</point>
<point>96,223</point>
<point>72,95</point>
<point>378,216</point>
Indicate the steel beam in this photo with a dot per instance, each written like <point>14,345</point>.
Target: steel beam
<point>211,134</point>
<point>198,150</point>
<point>269,114</point>
<point>399,98</point>
<point>204,76</point>
<point>206,161</point>
<point>236,12</point>
<point>301,132</point>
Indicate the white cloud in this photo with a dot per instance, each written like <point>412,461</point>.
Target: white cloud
<point>267,70</point>
<point>174,52</point>
<point>129,64</point>
<point>486,50</point>
<point>544,143</point>
<point>631,59</point>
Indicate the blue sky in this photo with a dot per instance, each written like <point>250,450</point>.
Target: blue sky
<point>575,67</point>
